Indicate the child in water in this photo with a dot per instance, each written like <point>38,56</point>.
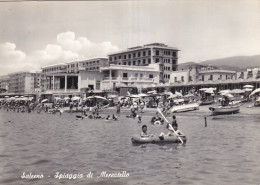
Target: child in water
<point>114,117</point>
<point>144,132</point>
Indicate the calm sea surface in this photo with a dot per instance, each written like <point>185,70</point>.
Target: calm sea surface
<point>227,151</point>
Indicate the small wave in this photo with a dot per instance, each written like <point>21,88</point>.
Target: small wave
<point>41,161</point>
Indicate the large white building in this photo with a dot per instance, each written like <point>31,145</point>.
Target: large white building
<point>155,53</point>
<point>24,82</point>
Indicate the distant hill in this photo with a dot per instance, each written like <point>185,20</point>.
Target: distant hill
<point>236,63</point>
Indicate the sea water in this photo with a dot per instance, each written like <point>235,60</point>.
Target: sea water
<point>53,149</point>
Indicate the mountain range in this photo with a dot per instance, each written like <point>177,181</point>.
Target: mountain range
<point>236,63</point>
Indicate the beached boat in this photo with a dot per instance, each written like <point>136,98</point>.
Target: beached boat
<point>157,139</point>
<point>206,102</point>
<point>185,107</point>
<point>230,109</point>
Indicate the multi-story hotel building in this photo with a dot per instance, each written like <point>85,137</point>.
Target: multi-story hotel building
<point>165,56</point>
<point>24,82</point>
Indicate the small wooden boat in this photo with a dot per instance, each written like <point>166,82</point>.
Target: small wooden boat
<point>185,107</point>
<point>230,109</point>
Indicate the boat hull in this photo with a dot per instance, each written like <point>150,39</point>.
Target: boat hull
<point>224,110</point>
<point>157,140</point>
<point>185,108</point>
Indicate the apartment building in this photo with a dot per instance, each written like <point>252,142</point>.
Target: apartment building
<point>155,53</point>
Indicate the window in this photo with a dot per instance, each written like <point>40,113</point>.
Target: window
<point>182,78</point>
<point>98,85</point>
<point>150,75</point>
<point>129,55</point>
<point>134,55</point>
<point>144,53</point>
<point>129,63</point>
<point>149,61</point>
<point>124,75</point>
<point>202,77</point>
<point>115,58</point>
<point>211,77</point>
<point>157,52</point>
<point>136,75</point>
<point>139,62</point>
<point>139,54</point>
<point>174,62</point>
<point>134,63</point>
<point>144,61</point>
<point>141,75</point>
<point>174,54</point>
<point>119,57</point>
<point>168,76</point>
<point>157,60</point>
<point>190,78</point>
<point>125,63</point>
<point>149,52</point>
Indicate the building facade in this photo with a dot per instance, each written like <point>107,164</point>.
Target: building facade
<point>93,64</point>
<point>4,83</point>
<point>155,53</point>
<point>24,82</point>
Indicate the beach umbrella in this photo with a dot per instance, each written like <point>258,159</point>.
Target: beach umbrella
<point>209,91</point>
<point>134,96</point>
<point>142,95</point>
<point>255,91</point>
<point>237,91</point>
<point>173,96</point>
<point>248,90</point>
<point>75,98</point>
<point>224,91</point>
<point>178,93</point>
<point>203,89</point>
<point>151,92</point>
<point>44,101</point>
<point>248,86</point>
<point>96,98</point>
<point>168,93</point>
<point>66,98</point>
<point>6,96</point>
<point>189,95</point>
<point>16,96</point>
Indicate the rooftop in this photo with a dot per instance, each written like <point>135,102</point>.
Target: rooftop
<point>152,45</point>
<point>54,65</point>
<point>129,68</point>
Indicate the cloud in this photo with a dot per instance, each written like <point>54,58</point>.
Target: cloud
<point>66,49</point>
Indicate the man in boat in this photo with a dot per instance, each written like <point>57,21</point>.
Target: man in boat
<point>174,126</point>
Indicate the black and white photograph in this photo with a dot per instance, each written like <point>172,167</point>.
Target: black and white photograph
<point>128,92</point>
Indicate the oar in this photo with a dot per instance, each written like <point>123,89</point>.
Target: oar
<point>170,126</point>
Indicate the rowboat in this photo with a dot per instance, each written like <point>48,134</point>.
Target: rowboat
<point>185,107</point>
<point>230,109</point>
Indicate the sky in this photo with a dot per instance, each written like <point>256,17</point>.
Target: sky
<point>34,34</point>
